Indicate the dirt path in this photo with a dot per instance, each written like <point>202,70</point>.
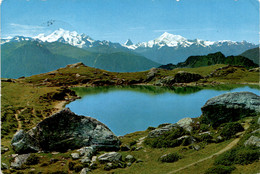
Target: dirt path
<point>17,118</point>
<point>228,147</point>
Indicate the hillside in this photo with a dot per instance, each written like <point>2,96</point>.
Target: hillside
<point>252,54</point>
<point>212,59</point>
<point>28,58</point>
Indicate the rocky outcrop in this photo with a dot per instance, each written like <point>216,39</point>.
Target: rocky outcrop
<point>19,161</point>
<point>110,157</point>
<point>231,107</point>
<point>253,141</point>
<point>185,123</point>
<point>160,131</point>
<point>65,130</point>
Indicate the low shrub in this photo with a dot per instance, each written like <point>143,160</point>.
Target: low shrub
<point>168,139</point>
<point>230,129</point>
<point>32,160</point>
<point>206,137</point>
<point>169,158</point>
<point>204,127</point>
<point>240,155</point>
<point>132,143</point>
<point>220,169</point>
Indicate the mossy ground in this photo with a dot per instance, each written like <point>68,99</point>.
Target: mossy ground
<point>24,99</point>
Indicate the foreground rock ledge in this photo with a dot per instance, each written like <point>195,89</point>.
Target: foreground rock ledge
<point>65,130</point>
<point>231,107</point>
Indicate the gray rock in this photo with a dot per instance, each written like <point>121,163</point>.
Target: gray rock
<point>94,159</point>
<point>85,171</point>
<point>256,131</point>
<point>139,148</point>
<point>231,107</point>
<point>19,161</point>
<point>110,157</point>
<point>85,160</point>
<point>185,123</point>
<point>139,161</point>
<point>108,166</point>
<point>4,166</point>
<point>75,156</point>
<point>159,131</point>
<point>4,149</point>
<point>196,147</point>
<point>253,141</point>
<point>130,158</point>
<point>22,142</point>
<point>87,151</point>
<point>65,130</point>
<point>129,164</point>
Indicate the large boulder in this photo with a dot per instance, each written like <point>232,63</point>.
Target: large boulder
<point>65,130</point>
<point>19,161</point>
<point>231,107</point>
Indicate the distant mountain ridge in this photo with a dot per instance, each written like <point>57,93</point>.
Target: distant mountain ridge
<point>30,57</point>
<point>252,54</point>
<point>212,59</point>
<point>167,48</point>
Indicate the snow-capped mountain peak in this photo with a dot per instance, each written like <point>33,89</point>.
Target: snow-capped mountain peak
<point>70,37</point>
<point>129,42</point>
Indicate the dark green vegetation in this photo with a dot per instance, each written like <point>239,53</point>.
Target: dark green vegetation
<point>230,129</point>
<point>252,54</point>
<point>212,59</point>
<point>28,58</point>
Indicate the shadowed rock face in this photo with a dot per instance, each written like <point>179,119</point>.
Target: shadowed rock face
<point>65,130</point>
<point>231,107</point>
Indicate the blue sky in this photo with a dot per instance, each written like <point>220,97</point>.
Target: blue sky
<point>139,20</point>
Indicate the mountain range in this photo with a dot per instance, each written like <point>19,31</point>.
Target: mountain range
<point>25,56</point>
<point>167,48</point>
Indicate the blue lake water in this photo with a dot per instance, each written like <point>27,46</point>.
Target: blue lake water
<point>129,109</point>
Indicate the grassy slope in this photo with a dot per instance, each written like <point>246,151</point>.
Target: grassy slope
<point>25,94</point>
<point>252,54</point>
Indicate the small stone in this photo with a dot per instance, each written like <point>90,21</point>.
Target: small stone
<point>85,160</point>
<point>196,147</point>
<point>253,141</point>
<point>14,155</point>
<point>85,171</point>
<point>130,158</point>
<point>94,159</point>
<point>4,166</point>
<point>139,161</point>
<point>75,156</point>
<point>19,161</point>
<point>139,148</point>
<point>110,157</point>
<point>128,164</point>
<point>4,149</point>
<point>55,153</point>
<point>53,160</point>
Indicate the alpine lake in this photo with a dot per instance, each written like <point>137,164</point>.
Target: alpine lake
<point>134,108</point>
